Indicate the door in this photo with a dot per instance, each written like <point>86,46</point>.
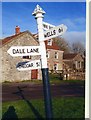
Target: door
<point>34,74</point>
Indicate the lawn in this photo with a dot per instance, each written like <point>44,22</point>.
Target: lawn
<point>72,107</point>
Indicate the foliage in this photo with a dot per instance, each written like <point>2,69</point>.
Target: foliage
<point>78,47</point>
<point>63,44</point>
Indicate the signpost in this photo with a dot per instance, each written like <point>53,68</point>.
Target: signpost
<point>24,50</point>
<point>29,65</point>
<point>55,31</point>
<point>16,51</point>
<point>38,13</point>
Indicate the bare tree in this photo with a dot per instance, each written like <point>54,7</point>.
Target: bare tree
<point>78,47</point>
<point>63,44</point>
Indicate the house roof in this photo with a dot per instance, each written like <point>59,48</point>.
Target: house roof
<point>69,56</point>
<point>53,46</point>
<point>10,38</point>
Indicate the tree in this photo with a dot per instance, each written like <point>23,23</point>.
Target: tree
<point>78,47</point>
<point>63,44</point>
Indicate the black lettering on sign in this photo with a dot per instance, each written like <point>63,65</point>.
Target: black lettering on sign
<point>60,30</point>
<point>14,51</point>
<point>54,32</point>
<point>30,65</point>
<point>27,65</point>
<point>45,35</point>
<point>36,50</point>
<point>51,33</point>
<point>38,64</point>
<point>48,34</point>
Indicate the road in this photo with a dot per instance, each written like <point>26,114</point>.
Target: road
<point>16,91</point>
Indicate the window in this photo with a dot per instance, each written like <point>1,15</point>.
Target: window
<point>79,64</point>
<point>49,42</point>
<point>47,54</point>
<point>76,64</point>
<point>56,55</point>
<point>55,67</point>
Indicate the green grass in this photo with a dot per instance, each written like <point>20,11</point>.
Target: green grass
<point>55,78</point>
<point>62,108</point>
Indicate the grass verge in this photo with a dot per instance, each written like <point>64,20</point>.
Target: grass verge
<point>62,108</point>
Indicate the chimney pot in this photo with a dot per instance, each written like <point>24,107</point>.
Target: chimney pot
<point>17,30</point>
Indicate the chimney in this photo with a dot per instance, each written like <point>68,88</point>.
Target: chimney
<point>17,30</point>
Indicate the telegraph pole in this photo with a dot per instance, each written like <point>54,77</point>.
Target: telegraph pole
<point>38,13</point>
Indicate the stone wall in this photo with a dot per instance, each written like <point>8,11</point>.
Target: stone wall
<point>9,71</point>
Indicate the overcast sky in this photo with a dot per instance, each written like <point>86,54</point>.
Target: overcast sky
<point>72,14</point>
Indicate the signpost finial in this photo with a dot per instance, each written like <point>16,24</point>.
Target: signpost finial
<point>37,10</point>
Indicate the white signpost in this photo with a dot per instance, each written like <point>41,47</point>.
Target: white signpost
<point>24,50</point>
<point>29,65</point>
<point>16,51</point>
<point>55,31</point>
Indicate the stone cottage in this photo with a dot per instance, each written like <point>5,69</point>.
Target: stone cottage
<point>73,66</point>
<point>8,69</point>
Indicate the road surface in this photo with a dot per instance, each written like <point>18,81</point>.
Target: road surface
<point>16,91</point>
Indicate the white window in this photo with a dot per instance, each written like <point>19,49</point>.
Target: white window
<point>76,64</point>
<point>47,54</point>
<point>79,64</point>
<point>56,55</point>
<point>49,42</point>
<point>55,66</point>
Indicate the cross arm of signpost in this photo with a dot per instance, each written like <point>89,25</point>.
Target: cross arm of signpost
<point>29,65</point>
<point>16,51</point>
<point>55,32</point>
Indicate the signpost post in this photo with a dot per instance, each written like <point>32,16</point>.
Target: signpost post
<point>38,13</point>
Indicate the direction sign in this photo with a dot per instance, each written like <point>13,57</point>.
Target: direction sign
<point>55,31</point>
<point>47,26</point>
<point>29,65</point>
<point>24,50</point>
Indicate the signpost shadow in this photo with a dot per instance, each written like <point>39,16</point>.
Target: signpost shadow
<point>34,110</point>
